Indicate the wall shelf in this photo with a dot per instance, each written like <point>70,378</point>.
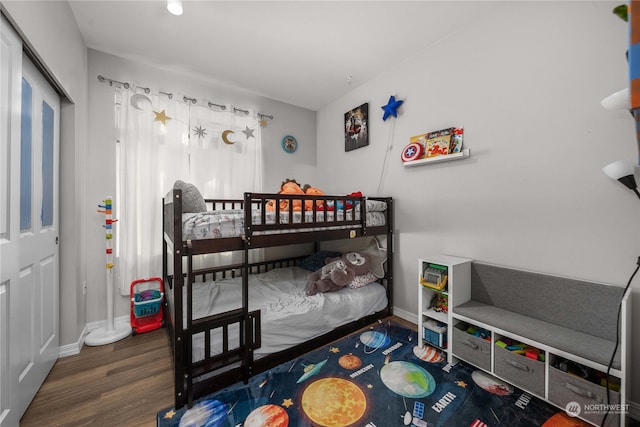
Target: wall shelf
<point>439,159</point>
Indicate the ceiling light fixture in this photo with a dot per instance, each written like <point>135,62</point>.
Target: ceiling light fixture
<point>174,7</point>
<point>623,172</point>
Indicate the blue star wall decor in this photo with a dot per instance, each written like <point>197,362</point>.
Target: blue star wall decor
<point>391,109</point>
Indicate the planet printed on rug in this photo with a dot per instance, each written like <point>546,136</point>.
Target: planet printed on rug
<point>267,416</point>
<point>373,340</point>
<point>333,402</point>
<point>561,419</point>
<point>491,384</point>
<point>210,413</point>
<point>407,379</point>
<point>350,362</point>
<point>428,354</point>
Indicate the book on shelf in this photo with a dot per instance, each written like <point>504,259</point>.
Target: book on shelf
<point>456,141</point>
<point>438,142</point>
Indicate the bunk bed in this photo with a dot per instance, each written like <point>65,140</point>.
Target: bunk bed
<point>223,344</point>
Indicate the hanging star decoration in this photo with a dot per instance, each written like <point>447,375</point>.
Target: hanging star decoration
<point>248,132</point>
<point>391,109</point>
<point>199,131</point>
<point>161,116</point>
<point>263,122</point>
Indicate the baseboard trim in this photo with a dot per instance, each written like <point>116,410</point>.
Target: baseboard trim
<point>406,315</point>
<point>74,348</point>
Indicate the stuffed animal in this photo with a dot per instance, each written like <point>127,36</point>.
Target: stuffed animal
<point>338,273</point>
<point>289,186</point>
<point>313,191</point>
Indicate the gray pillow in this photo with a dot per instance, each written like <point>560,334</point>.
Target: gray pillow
<point>192,200</point>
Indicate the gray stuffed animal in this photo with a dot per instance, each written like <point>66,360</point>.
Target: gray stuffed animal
<point>338,273</point>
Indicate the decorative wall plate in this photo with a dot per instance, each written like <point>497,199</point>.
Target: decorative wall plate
<point>289,144</point>
<point>413,151</point>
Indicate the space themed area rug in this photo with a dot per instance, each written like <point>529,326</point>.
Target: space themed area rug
<point>378,377</point>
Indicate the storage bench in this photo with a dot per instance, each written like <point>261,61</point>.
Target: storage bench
<point>567,319</point>
<point>570,315</point>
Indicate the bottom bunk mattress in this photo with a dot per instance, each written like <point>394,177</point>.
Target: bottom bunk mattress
<point>288,316</point>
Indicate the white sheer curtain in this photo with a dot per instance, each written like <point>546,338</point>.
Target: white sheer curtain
<point>161,140</point>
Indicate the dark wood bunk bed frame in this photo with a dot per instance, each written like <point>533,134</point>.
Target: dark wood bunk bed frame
<point>197,379</point>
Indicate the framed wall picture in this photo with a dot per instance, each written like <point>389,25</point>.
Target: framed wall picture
<point>289,144</point>
<point>356,129</point>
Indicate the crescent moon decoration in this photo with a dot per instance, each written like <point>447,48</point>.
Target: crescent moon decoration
<point>138,99</point>
<point>225,137</point>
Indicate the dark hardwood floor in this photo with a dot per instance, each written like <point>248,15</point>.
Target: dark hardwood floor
<point>121,384</point>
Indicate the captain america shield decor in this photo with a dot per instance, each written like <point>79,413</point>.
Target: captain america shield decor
<point>412,151</point>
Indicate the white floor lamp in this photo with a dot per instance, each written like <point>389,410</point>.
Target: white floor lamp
<point>112,332</point>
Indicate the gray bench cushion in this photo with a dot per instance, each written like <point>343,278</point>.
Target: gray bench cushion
<point>575,342</point>
<point>590,308</point>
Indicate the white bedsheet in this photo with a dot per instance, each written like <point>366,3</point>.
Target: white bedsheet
<point>230,223</point>
<point>288,315</point>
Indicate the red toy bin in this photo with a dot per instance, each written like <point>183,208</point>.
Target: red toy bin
<point>147,296</point>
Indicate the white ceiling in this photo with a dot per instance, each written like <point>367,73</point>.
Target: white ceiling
<point>298,52</point>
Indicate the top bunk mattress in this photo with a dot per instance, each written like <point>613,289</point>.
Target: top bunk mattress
<point>230,223</point>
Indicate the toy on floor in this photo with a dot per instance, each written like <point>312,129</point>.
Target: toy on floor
<point>147,296</point>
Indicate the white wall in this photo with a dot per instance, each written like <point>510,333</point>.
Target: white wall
<point>526,84</point>
<point>278,165</point>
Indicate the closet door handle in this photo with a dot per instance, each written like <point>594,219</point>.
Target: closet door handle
<point>518,365</point>
<point>470,344</point>
<point>582,392</point>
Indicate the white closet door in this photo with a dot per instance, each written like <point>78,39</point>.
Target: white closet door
<point>29,255</point>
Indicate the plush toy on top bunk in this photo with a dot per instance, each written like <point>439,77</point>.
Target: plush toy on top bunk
<point>339,273</point>
<point>291,186</point>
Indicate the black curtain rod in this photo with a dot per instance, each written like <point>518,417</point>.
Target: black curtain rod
<point>169,95</point>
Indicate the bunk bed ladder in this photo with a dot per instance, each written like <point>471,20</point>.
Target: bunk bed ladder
<point>249,333</point>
